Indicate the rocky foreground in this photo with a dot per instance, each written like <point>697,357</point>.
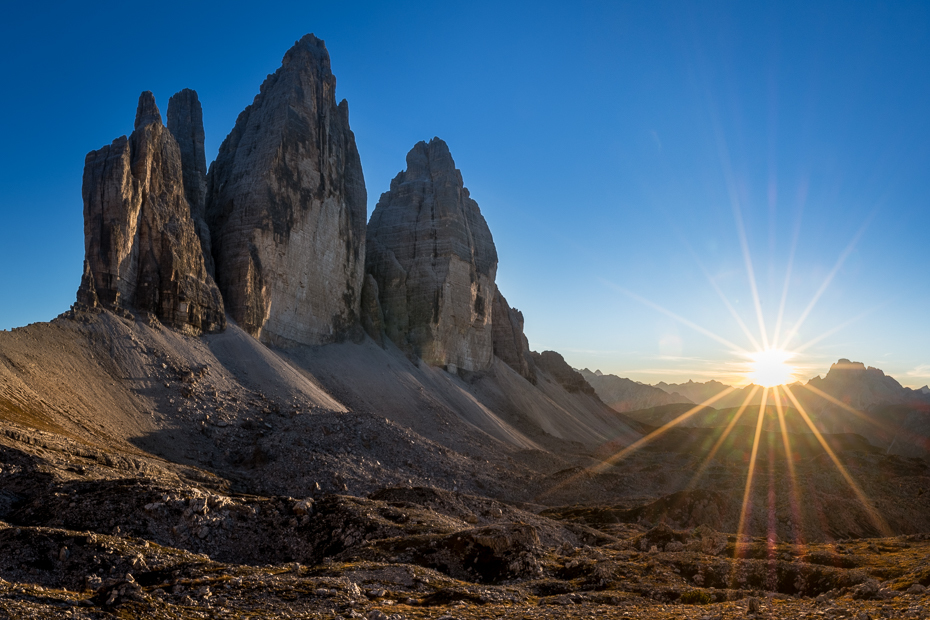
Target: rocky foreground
<point>504,571</point>
<point>96,529</point>
<point>90,536</point>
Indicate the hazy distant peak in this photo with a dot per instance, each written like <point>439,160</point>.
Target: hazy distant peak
<point>860,386</point>
<point>844,364</point>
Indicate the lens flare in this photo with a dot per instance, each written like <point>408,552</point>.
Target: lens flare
<point>770,368</point>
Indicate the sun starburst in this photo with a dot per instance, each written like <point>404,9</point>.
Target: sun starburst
<point>770,368</point>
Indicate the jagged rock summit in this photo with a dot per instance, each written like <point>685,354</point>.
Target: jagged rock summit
<point>286,207</point>
<point>433,258</point>
<point>185,122</point>
<point>141,248</point>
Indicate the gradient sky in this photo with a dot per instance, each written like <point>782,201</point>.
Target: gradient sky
<point>614,149</point>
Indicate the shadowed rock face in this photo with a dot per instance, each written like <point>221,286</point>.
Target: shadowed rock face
<point>185,122</point>
<point>141,248</point>
<point>510,344</point>
<point>554,364</point>
<point>372,316</point>
<point>433,258</point>
<point>286,207</point>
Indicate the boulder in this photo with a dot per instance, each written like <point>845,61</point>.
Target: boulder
<point>141,247</point>
<point>432,255</point>
<point>286,207</point>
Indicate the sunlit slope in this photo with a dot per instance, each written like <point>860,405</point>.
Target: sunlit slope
<point>498,402</point>
<point>125,383</point>
<point>111,379</point>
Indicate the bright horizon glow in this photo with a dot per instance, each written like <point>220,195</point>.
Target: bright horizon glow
<point>770,368</point>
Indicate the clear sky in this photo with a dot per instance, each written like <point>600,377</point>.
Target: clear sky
<point>616,150</point>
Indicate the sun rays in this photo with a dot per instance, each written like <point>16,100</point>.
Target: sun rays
<point>770,367</point>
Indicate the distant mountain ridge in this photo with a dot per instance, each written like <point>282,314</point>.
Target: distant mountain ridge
<point>850,398</point>
<point>624,395</point>
<point>702,392</point>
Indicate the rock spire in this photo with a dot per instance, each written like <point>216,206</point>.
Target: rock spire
<point>286,207</point>
<point>185,122</point>
<point>141,248</point>
<point>433,258</point>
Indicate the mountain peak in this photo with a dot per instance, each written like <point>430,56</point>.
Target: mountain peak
<point>308,47</point>
<point>147,112</point>
<point>288,172</point>
<point>437,297</point>
<point>844,364</point>
<point>430,162</point>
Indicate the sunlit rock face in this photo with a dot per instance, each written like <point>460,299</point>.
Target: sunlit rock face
<point>431,253</point>
<point>142,251</point>
<point>510,344</point>
<point>286,206</point>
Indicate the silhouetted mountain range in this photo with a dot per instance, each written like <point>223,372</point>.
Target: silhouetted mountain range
<point>850,398</point>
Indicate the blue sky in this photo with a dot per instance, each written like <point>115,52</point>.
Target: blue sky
<point>613,148</point>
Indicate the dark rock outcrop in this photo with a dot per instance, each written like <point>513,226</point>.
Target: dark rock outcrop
<point>286,206</point>
<point>556,366</point>
<point>433,258</point>
<point>87,292</point>
<point>372,316</point>
<point>141,248</point>
<point>185,122</point>
<point>510,344</point>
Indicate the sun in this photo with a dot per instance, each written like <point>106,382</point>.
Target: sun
<point>770,367</point>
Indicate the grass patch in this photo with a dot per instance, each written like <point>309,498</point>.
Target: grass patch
<point>695,597</point>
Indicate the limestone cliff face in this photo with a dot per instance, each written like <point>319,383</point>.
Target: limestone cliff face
<point>431,253</point>
<point>510,344</point>
<point>141,248</point>
<point>286,207</point>
<point>185,122</point>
